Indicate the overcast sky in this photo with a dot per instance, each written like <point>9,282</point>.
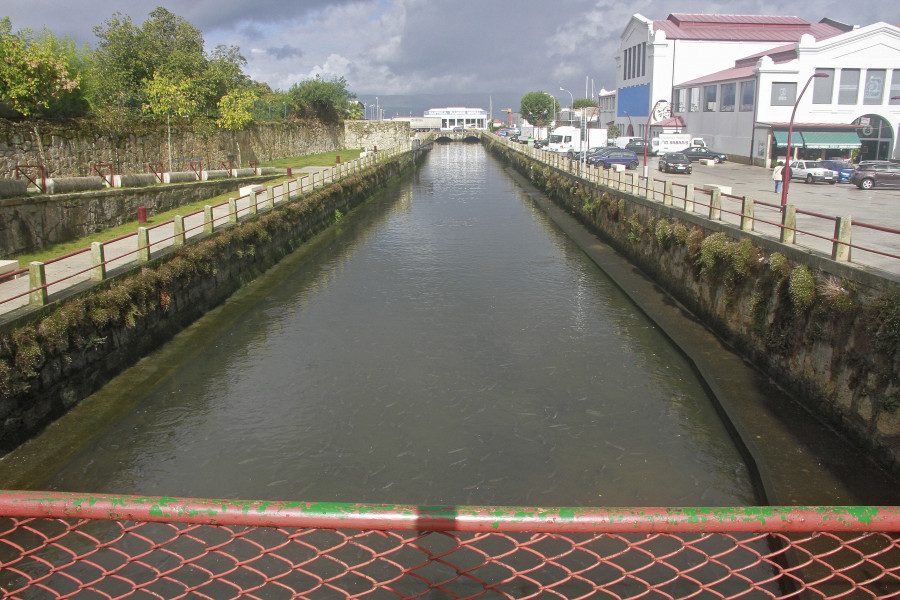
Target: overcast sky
<point>499,48</point>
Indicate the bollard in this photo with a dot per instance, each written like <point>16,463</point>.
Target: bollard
<point>290,172</point>
<point>142,214</point>
<point>338,159</point>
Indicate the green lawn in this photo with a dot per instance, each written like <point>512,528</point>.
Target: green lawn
<point>297,162</point>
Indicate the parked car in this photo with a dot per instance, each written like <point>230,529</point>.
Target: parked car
<point>812,171</point>
<point>674,162</point>
<point>697,152</point>
<point>842,167</point>
<point>616,156</point>
<point>637,147</point>
<point>868,176</point>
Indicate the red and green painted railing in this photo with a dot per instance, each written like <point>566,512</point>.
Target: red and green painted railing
<point>66,545</point>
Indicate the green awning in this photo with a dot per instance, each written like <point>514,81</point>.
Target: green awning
<point>818,140</point>
<point>830,140</point>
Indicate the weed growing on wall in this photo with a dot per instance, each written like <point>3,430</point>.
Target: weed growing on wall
<point>802,288</point>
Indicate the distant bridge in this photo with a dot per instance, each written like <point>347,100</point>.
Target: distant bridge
<point>458,135</point>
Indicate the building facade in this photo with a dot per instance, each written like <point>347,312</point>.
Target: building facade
<point>851,106</point>
<point>655,56</point>
<point>467,118</point>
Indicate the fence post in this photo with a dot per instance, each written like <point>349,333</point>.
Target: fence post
<point>98,260</point>
<point>178,222</point>
<point>232,210</point>
<point>302,183</point>
<point>747,214</point>
<point>270,198</point>
<point>840,250</point>
<point>788,224</point>
<point>635,182</point>
<point>37,283</point>
<point>256,196</point>
<point>252,208</point>
<point>208,224</point>
<point>715,204</point>
<point>651,189</point>
<point>667,192</point>
<point>143,242</point>
<point>689,198</point>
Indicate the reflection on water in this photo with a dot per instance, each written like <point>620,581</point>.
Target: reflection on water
<point>451,346</point>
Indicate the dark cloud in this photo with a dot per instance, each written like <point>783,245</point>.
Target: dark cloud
<point>282,52</point>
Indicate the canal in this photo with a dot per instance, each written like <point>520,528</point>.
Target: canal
<point>446,343</point>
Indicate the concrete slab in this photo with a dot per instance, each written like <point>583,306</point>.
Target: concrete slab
<point>8,265</point>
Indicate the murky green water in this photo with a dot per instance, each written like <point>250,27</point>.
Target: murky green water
<point>450,346</point>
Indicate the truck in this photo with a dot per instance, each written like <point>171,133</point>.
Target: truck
<point>673,142</point>
<point>567,140</point>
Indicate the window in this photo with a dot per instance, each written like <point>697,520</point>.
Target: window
<point>694,100</point>
<point>823,87</point>
<point>895,87</point>
<point>643,59</point>
<point>848,92</point>
<point>728,92</point>
<point>874,90</point>
<point>748,95</point>
<point>709,93</point>
<point>784,94</point>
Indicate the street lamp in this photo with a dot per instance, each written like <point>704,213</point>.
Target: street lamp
<point>647,131</point>
<point>572,105</point>
<point>786,171</point>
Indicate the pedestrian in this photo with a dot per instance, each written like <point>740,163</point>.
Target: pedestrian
<point>778,175</point>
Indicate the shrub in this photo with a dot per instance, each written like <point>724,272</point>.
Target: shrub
<point>680,233</point>
<point>802,288</point>
<point>835,295</point>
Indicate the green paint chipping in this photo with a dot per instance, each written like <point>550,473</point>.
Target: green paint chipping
<point>156,511</point>
<point>849,515</point>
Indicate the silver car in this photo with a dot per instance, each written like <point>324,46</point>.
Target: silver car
<point>812,171</point>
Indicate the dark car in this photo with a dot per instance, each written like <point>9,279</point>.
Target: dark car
<point>841,167</point>
<point>615,156</point>
<point>871,175</point>
<point>697,152</point>
<point>636,147</point>
<point>674,162</point>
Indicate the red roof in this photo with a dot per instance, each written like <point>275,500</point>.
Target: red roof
<point>670,122</point>
<point>741,28</point>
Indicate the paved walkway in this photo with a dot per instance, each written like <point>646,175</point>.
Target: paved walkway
<point>122,254</point>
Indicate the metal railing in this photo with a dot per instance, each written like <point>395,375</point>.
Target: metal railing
<point>140,247</point>
<point>60,545</point>
<point>834,232</point>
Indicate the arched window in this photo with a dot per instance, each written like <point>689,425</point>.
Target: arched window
<point>877,137</point>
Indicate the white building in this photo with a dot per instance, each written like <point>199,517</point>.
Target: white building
<point>745,110</point>
<point>655,56</point>
<point>467,118</point>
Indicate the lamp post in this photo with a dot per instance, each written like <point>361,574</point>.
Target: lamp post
<point>786,171</point>
<point>571,105</point>
<point>647,131</point>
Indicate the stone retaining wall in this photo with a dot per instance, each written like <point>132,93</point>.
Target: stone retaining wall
<point>827,331</point>
<point>34,222</point>
<point>68,149</point>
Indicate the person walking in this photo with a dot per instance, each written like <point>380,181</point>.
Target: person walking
<point>778,176</point>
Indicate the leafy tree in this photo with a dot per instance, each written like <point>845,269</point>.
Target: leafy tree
<point>538,108</point>
<point>32,71</point>
<point>236,109</point>
<point>583,103</point>
<point>224,73</point>
<point>118,70</point>
<point>328,100</point>
<point>613,131</point>
<point>167,96</point>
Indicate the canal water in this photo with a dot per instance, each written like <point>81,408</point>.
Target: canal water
<point>446,344</point>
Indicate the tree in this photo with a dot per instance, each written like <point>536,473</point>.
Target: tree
<point>612,131</point>
<point>538,108</point>
<point>328,100</point>
<point>32,72</point>
<point>170,97</point>
<point>118,69</point>
<point>583,103</point>
<point>236,109</point>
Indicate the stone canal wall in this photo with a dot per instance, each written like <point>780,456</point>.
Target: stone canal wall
<point>826,331</point>
<point>54,358</point>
